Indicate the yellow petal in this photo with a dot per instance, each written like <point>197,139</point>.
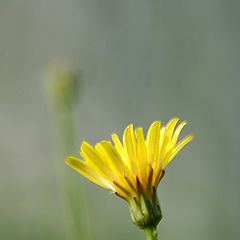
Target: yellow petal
<point>176,134</point>
<point>129,143</point>
<point>112,157</point>
<point>141,155</point>
<point>108,152</point>
<point>170,128</point>
<point>153,143</point>
<point>83,168</point>
<point>170,145</point>
<point>166,138</point>
<point>162,133</point>
<point>95,161</point>
<point>120,148</point>
<point>178,148</point>
<point>162,150</point>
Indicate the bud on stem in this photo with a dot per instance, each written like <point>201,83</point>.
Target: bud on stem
<point>61,87</point>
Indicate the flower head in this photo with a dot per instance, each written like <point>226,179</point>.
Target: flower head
<point>134,168</point>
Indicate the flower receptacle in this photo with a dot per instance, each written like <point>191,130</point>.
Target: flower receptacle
<point>145,211</point>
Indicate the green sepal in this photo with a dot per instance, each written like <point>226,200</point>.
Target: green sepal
<point>145,211</point>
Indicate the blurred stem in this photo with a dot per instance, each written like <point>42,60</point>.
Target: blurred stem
<point>73,192</point>
<point>61,86</point>
<point>151,233</point>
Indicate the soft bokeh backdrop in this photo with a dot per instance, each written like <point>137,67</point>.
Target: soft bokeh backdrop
<point>140,60</point>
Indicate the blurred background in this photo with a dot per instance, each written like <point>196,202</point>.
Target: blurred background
<point>139,61</point>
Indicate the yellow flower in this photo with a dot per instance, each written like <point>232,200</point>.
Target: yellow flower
<point>133,170</point>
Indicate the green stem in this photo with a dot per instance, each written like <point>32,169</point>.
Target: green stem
<point>61,86</point>
<point>151,233</point>
<point>74,202</point>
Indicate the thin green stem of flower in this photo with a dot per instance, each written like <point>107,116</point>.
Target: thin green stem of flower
<point>151,233</point>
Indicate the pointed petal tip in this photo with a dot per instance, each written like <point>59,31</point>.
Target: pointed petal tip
<point>114,135</point>
<point>84,143</point>
<point>186,140</point>
<point>173,120</point>
<point>68,160</point>
<point>128,127</point>
<point>191,137</point>
<point>86,146</point>
<point>154,123</point>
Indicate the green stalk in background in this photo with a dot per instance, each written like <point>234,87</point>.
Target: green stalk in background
<point>62,88</point>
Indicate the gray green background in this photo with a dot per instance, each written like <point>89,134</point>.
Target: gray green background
<point>140,61</point>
